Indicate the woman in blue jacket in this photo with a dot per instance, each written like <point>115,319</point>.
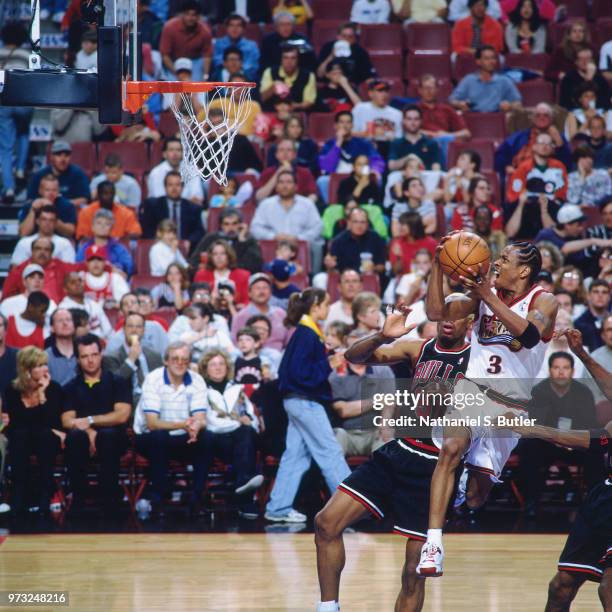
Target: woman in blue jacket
<point>303,381</point>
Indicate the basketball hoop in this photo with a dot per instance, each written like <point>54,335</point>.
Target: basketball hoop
<point>209,116</point>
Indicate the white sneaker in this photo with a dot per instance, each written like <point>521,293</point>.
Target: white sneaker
<point>293,516</point>
<point>250,485</point>
<point>432,560</point>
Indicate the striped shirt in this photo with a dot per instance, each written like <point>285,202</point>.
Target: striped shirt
<point>170,403</point>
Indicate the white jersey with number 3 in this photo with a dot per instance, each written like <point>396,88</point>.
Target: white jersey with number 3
<point>497,355</point>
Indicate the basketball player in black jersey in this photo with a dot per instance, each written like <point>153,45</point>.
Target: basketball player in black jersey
<point>397,477</point>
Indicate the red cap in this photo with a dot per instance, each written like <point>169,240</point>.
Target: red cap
<point>94,251</point>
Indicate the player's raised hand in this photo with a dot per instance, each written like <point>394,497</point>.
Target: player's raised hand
<point>441,244</point>
<point>478,282</point>
<point>395,323</point>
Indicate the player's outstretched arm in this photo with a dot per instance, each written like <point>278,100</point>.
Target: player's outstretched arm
<point>572,438</point>
<point>602,377</point>
<point>436,308</point>
<point>381,348</point>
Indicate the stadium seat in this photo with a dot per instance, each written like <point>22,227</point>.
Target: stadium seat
<point>416,66</point>
<point>167,124</point>
<point>397,90</point>
<point>387,66</point>
<point>486,125</point>
<point>381,36</point>
<point>536,91</point>
<point>536,62</point>
<point>134,155</point>
<point>445,89</point>
<point>146,281</point>
<point>485,148</point>
<point>334,182</point>
<point>167,314</point>
<point>321,126</point>
<point>464,65</point>
<point>592,214</point>
<point>84,154</point>
<point>324,30</point>
<point>427,38</point>
<point>212,221</point>
<point>268,249</point>
<point>576,8</point>
<point>371,282</point>
<point>338,9</point>
<point>604,29</point>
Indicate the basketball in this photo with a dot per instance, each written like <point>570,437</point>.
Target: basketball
<point>464,250</point>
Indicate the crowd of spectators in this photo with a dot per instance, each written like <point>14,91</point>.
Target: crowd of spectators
<point>139,303</point>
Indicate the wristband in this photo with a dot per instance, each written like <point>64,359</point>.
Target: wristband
<point>90,420</point>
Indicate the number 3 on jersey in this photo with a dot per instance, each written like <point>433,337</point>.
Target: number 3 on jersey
<point>494,364</point>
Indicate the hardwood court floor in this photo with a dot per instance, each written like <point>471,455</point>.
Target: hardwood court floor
<point>276,573</point>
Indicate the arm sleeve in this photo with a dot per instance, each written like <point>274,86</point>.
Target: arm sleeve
<point>132,225</point>
<point>329,157</point>
<point>151,399</point>
<point>511,38</point>
<point>539,40</point>
<point>200,398</point>
<point>461,91</point>
<point>310,91</point>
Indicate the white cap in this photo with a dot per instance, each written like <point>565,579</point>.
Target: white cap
<point>183,63</point>
<point>342,49</point>
<point>570,213</point>
<point>30,269</point>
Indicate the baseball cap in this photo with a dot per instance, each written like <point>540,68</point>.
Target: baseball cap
<point>31,269</point>
<point>570,213</point>
<point>281,269</point>
<point>260,276</point>
<point>183,63</point>
<point>379,85</point>
<point>61,146</point>
<point>94,250</point>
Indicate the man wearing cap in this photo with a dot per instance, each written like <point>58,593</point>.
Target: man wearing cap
<point>568,234</point>
<point>289,79</point>
<point>33,277</point>
<point>234,37</point>
<point>49,195</point>
<point>414,142</point>
<point>377,120</point>
<point>282,288</point>
<point>286,155</point>
<point>260,294</point>
<point>55,271</point>
<point>73,182</point>
<point>106,288</point>
<point>187,35</point>
<point>535,192</point>
<point>28,328</point>
<point>118,255</point>
<point>126,224</point>
<point>46,221</point>
<point>75,298</point>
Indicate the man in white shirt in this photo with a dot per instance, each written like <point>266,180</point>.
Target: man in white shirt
<point>350,285</point>
<point>75,298</point>
<point>173,155</point>
<point>288,216</point>
<point>106,288</point>
<point>45,219</point>
<point>377,120</point>
<point>127,189</point>
<point>370,11</point>
<point>170,421</point>
<point>33,277</point>
<point>605,59</point>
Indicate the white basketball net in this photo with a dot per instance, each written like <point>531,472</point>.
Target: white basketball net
<point>208,123</point>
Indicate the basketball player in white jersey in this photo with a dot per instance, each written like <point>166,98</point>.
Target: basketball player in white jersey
<point>514,319</point>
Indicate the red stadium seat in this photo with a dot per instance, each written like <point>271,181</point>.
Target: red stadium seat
<point>427,38</point>
<point>334,182</point>
<point>445,89</point>
<point>167,124</point>
<point>464,65</point>
<point>324,30</point>
<point>387,66</point>
<point>156,153</point>
<point>536,91</point>
<point>252,31</point>
<point>418,65</point>
<point>576,8</point>
<point>381,36</point>
<point>604,29</point>
<point>268,249</point>
<point>486,125</point>
<point>167,314</point>
<point>601,9</point>
<point>212,221</point>
<point>300,280</point>
<point>146,281</point>
<point>338,9</point>
<point>84,154</point>
<point>134,155</point>
<point>592,214</point>
<point>484,148</point>
<point>321,126</point>
<point>536,62</point>
<point>386,51</point>
<point>397,90</point>
<point>371,282</point>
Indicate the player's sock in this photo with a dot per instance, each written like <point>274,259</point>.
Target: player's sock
<point>434,536</point>
<point>328,606</point>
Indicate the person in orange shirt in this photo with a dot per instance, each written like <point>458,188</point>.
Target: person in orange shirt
<point>126,224</point>
<point>471,33</point>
